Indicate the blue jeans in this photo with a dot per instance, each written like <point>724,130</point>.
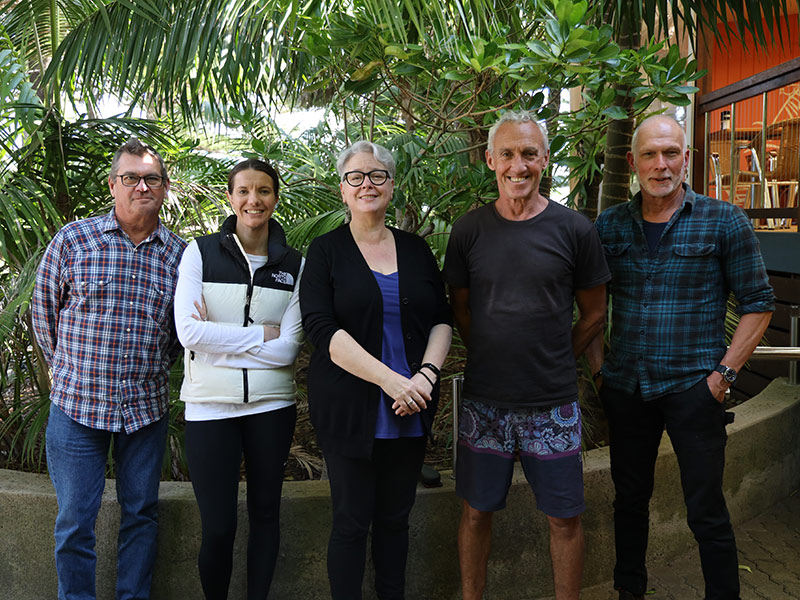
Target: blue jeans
<point>695,422</point>
<point>76,459</point>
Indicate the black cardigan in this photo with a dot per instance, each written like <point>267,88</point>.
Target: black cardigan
<point>339,291</point>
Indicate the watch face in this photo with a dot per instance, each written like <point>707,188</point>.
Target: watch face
<point>729,375</point>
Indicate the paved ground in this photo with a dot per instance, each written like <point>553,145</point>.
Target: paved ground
<point>769,558</point>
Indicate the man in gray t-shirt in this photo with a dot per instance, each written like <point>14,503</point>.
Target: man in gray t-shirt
<point>514,268</point>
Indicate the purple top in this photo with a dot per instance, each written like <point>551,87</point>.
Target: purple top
<point>393,354</point>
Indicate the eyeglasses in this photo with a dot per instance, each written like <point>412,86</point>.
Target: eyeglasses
<point>376,177</point>
<point>152,181</point>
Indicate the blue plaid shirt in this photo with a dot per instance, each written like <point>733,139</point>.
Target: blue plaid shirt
<point>102,314</point>
<point>668,312</point>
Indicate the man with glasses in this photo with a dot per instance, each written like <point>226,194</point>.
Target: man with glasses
<point>102,314</point>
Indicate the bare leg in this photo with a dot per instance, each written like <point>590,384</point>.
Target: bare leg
<point>474,540</point>
<point>566,554</point>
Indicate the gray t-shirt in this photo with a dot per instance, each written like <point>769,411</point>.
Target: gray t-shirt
<point>522,277</point>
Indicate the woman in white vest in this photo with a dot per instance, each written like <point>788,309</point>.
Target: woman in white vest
<point>238,317</point>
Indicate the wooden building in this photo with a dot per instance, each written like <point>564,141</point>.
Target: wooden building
<point>746,133</point>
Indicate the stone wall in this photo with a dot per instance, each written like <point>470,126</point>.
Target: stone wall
<point>763,466</point>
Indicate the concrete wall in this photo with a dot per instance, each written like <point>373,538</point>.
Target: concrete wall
<point>763,466</point>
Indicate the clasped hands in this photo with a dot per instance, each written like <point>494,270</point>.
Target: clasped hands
<point>410,395</point>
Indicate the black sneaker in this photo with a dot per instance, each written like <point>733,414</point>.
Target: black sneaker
<point>626,595</point>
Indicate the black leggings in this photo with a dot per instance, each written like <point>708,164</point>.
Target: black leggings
<point>379,490</point>
<point>214,451</point>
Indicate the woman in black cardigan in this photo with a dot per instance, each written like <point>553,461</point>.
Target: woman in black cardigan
<point>374,306</point>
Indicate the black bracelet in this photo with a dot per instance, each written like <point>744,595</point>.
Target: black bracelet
<point>434,369</point>
<point>597,375</point>
<point>426,377</point>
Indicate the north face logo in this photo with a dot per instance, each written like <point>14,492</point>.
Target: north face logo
<point>283,277</point>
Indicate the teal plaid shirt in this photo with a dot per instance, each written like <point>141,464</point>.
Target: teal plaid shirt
<point>668,312</point>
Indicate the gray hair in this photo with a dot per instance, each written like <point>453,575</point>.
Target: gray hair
<point>381,154</point>
<point>137,148</point>
<point>516,116</point>
<point>661,117</point>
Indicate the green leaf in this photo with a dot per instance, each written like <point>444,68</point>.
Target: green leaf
<point>615,112</point>
<point>365,71</point>
<point>679,100</point>
<point>608,95</point>
<point>674,54</point>
<point>396,51</point>
<point>554,31</point>
<point>539,48</point>
<point>563,9</point>
<point>407,69</point>
<point>577,13</point>
<point>362,87</point>
<point>557,143</point>
<point>571,161</point>
<point>579,55</point>
<point>457,76</point>
<point>607,52</point>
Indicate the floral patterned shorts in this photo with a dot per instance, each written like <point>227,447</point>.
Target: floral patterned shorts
<point>545,433</point>
<point>549,444</point>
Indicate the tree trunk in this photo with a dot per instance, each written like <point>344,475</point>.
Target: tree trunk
<point>554,104</point>
<point>589,206</point>
<point>616,173</point>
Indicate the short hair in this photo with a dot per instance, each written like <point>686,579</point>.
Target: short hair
<point>137,148</point>
<point>635,136</point>
<point>381,154</point>
<point>254,164</point>
<point>516,116</point>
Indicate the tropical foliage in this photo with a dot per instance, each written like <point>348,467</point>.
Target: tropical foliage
<point>423,78</point>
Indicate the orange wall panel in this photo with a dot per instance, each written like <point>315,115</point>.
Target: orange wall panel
<point>734,63</point>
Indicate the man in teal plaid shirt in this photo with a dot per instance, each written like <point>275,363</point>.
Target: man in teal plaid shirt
<point>674,257</point>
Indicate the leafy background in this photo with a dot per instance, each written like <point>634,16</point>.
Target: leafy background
<point>203,80</point>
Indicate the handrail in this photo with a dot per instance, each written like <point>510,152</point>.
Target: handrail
<point>776,352</point>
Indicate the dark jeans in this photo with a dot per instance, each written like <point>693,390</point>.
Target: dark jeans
<point>695,422</point>
<point>214,451</point>
<point>379,490</point>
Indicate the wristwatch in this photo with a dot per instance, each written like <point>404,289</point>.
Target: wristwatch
<point>728,374</point>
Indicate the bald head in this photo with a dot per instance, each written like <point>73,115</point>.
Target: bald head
<point>654,124</point>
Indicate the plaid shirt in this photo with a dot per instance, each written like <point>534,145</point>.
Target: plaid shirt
<point>668,312</point>
<point>102,314</point>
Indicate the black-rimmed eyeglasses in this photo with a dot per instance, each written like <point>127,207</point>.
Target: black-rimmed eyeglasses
<point>376,177</point>
<point>152,181</point>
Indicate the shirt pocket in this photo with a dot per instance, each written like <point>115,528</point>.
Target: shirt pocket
<point>157,301</point>
<point>616,249</point>
<point>620,263</point>
<point>91,290</point>
<point>694,263</point>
